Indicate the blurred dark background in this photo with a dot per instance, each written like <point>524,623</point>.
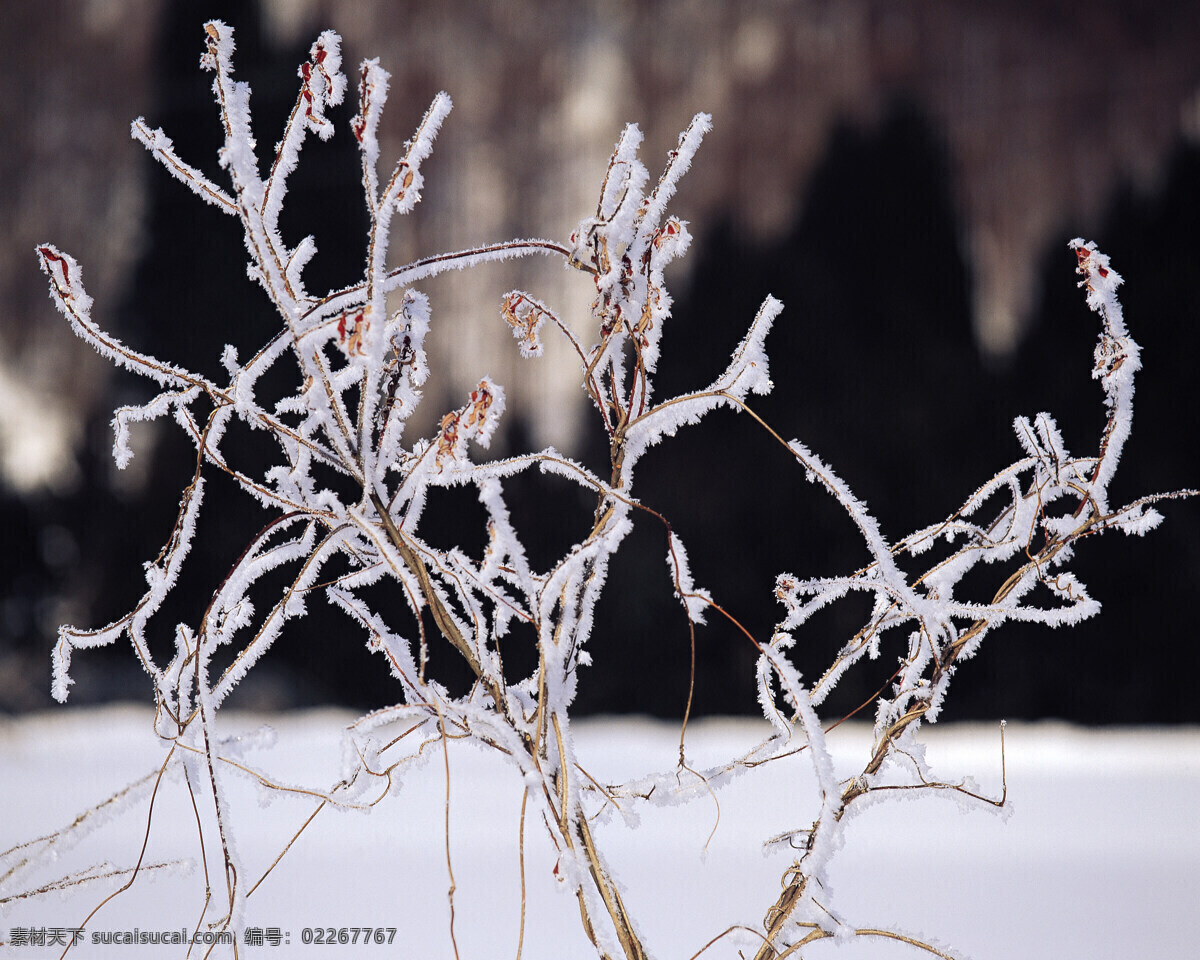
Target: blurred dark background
<point>904,176</point>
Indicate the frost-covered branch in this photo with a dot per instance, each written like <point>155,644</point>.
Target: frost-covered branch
<point>346,492</point>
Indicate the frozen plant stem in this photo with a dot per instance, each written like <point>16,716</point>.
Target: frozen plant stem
<point>359,369</point>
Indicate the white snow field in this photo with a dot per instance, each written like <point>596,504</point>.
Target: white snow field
<point>1095,856</point>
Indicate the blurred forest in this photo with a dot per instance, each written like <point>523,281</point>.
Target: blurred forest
<point>903,174</point>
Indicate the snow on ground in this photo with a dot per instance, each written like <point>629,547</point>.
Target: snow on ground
<point>1097,856</point>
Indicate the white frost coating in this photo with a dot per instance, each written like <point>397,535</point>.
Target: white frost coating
<point>748,372</point>
<point>681,161</point>
<point>399,195</point>
<point>1048,501</point>
<point>1117,360</point>
<point>1138,520</point>
<point>343,482</point>
<point>1101,282</point>
<point>398,651</point>
<point>891,578</point>
<point>291,605</point>
<point>163,150</point>
<point>160,577</point>
<point>68,294</point>
<point>160,406</point>
<point>505,551</point>
<point>406,193</point>
<point>695,600</point>
<point>372,95</point>
<point>301,254</point>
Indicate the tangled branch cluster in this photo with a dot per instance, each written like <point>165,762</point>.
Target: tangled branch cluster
<point>349,485</point>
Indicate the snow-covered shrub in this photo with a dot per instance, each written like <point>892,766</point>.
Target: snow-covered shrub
<point>346,493</point>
